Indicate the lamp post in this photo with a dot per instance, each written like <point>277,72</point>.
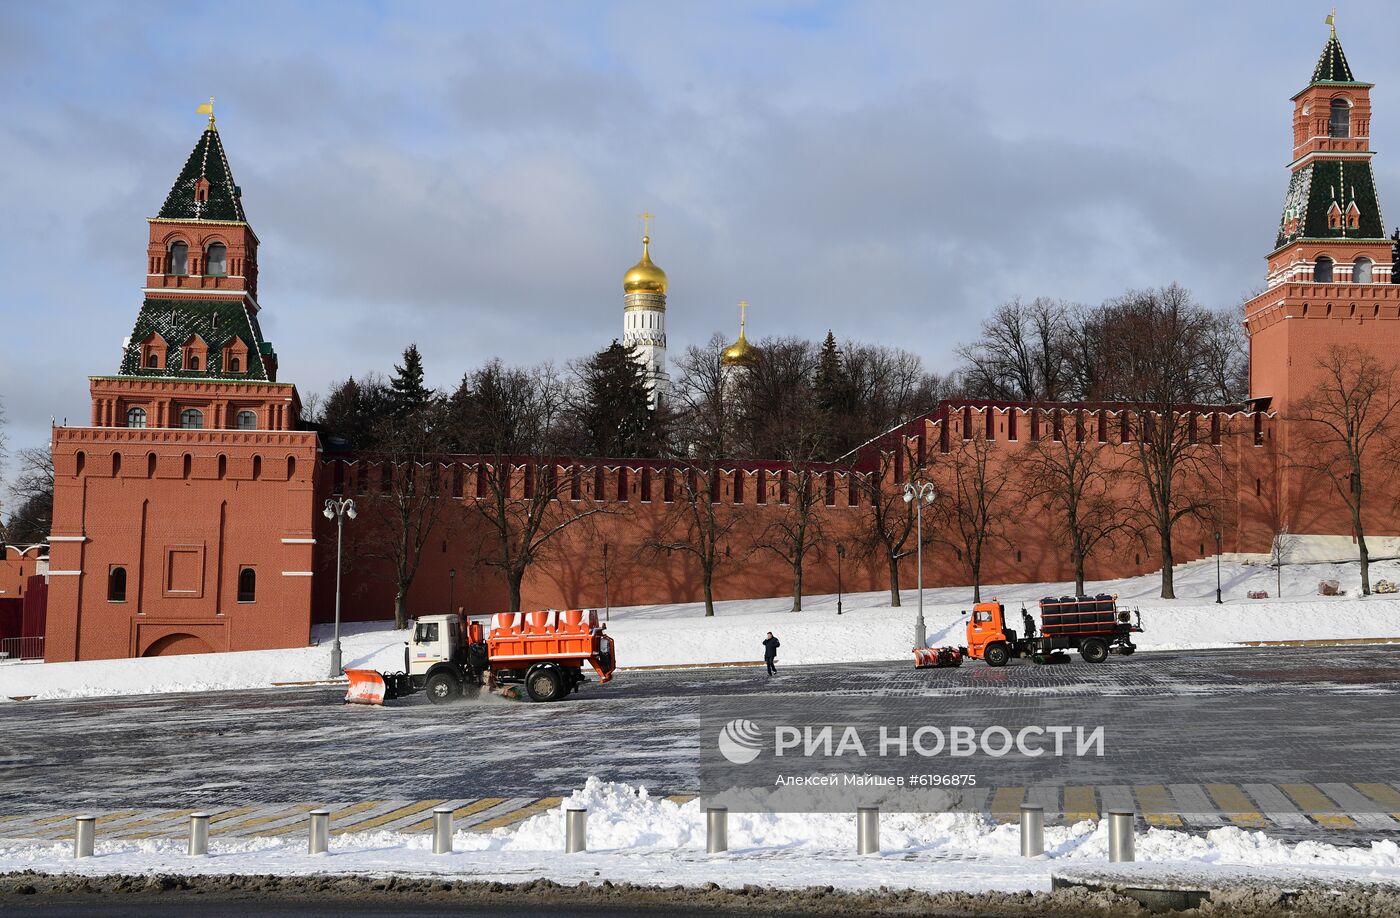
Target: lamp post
<point>607,600</point>
<point>451,591</point>
<point>840,554</point>
<point>1218,600</point>
<point>338,510</point>
<point>924,492</point>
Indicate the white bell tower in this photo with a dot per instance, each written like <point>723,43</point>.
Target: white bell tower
<point>644,317</point>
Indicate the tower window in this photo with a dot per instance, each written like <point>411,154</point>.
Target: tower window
<point>234,366</point>
<point>216,260</point>
<point>246,420</point>
<point>179,259</point>
<point>247,585</point>
<point>116,585</point>
<point>1322,270</point>
<point>192,419</point>
<point>1339,122</point>
<point>194,362</point>
<point>136,417</point>
<point>1361,271</point>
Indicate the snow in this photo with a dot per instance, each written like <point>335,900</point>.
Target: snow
<point>633,837</point>
<point>870,630</point>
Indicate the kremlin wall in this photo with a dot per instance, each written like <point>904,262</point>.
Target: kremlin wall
<point>187,517</point>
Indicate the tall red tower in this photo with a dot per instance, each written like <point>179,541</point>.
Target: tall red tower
<point>1330,272</point>
<point>183,514</point>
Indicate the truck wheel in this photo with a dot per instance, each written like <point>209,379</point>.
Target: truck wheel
<point>543,684</point>
<point>996,655</point>
<point>1094,650</point>
<point>442,688</point>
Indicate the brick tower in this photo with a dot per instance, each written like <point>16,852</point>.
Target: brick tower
<point>182,515</point>
<point>1330,279</point>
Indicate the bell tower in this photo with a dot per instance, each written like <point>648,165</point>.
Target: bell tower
<point>1329,276</point>
<point>644,317</point>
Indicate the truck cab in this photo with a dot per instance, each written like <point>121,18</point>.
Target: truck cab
<point>987,636</point>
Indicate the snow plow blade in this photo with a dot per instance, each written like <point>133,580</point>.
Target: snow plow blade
<point>366,687</point>
<point>937,657</point>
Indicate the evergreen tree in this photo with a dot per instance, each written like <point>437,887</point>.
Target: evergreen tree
<point>407,394</point>
<point>832,390</point>
<point>353,412</point>
<point>614,417</point>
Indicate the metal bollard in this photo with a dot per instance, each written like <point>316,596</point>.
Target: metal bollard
<point>575,830</point>
<point>868,830</point>
<point>1121,826</point>
<point>320,834</point>
<point>716,829</point>
<point>1032,831</point>
<point>442,830</point>
<point>199,835</point>
<point>87,832</point>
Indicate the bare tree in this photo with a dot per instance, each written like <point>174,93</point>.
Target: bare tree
<point>32,490</point>
<point>971,507</point>
<point>510,418</point>
<point>405,502</point>
<point>1152,356</point>
<point>798,525</point>
<point>1067,473</point>
<point>1346,422</point>
<point>702,406</point>
<point>1225,354</point>
<point>890,531</point>
<point>1023,353</point>
<point>699,524</point>
<point>1281,549</point>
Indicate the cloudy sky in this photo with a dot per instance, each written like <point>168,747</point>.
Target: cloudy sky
<point>467,175</point>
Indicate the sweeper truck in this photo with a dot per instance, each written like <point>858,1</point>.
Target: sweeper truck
<point>1092,625</point>
<point>451,656</point>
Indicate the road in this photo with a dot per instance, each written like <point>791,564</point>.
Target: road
<point>1304,734</point>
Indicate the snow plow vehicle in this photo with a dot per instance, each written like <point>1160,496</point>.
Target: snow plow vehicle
<point>1092,625</point>
<point>542,651</point>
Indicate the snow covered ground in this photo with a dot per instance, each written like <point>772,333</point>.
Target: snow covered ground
<point>869,630</point>
<point>633,837</point>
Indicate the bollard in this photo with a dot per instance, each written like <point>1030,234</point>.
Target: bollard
<point>442,830</point>
<point>319,841</point>
<point>1121,824</point>
<point>199,835</point>
<point>575,830</point>
<point>1032,831</point>
<point>868,830</point>
<point>87,831</point>
<point>716,829</point>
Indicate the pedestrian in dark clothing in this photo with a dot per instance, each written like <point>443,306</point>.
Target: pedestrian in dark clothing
<point>770,653</point>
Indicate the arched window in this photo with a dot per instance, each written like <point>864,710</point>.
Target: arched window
<point>1339,123</point>
<point>216,260</point>
<point>116,585</point>
<point>1322,270</point>
<point>246,420</point>
<point>192,419</point>
<point>179,258</point>
<point>247,585</point>
<point>153,361</point>
<point>234,365</point>
<point>194,362</point>
<point>136,417</point>
<point>1361,271</point>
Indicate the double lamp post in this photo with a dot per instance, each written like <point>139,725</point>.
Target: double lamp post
<point>923,493</point>
<point>338,510</point>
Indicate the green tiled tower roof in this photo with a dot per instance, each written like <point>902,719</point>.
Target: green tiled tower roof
<point>217,321</point>
<point>207,161</point>
<point>1311,192</point>
<point>1332,66</point>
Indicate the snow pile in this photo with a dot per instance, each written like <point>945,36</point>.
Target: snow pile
<point>633,837</point>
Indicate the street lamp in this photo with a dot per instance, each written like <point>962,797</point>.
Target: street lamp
<point>451,583</point>
<point>840,553</point>
<point>924,492</point>
<point>1218,600</point>
<point>607,600</point>
<point>338,510</point>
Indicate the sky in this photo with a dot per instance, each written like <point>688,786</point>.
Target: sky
<point>467,176</point>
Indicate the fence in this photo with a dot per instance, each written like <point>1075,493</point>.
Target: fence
<point>22,648</point>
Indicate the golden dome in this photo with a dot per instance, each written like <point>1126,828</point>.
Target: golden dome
<point>644,276</point>
<point>740,353</point>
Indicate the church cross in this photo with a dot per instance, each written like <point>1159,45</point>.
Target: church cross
<point>646,217</point>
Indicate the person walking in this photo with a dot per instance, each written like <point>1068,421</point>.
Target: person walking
<point>770,652</point>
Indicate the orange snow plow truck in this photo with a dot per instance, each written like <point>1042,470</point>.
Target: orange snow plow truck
<point>449,657</point>
<point>1092,625</point>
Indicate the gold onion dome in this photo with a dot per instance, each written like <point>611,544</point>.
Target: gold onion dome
<point>644,276</point>
<point>740,353</point>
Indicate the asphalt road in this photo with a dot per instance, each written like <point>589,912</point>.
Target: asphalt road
<point>1272,716</point>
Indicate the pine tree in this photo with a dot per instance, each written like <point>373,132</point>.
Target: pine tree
<point>833,394</point>
<point>614,415</point>
<point>407,394</point>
